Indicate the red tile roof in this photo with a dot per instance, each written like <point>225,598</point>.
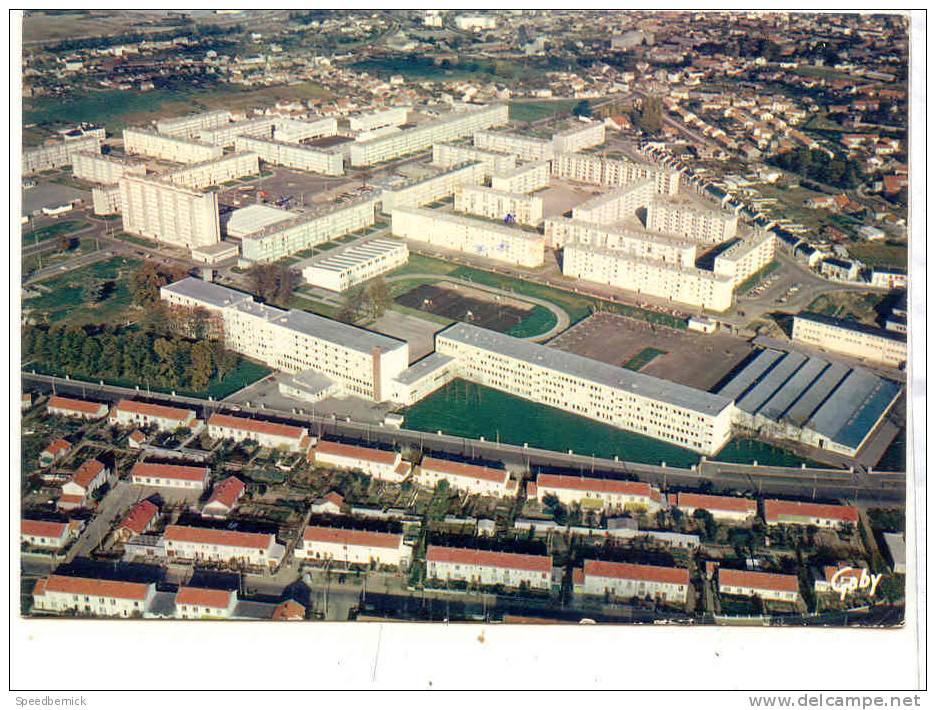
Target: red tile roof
<point>87,472</point>
<point>96,587</point>
<point>594,485</point>
<point>137,436</point>
<point>774,509</point>
<point>256,425</point>
<point>829,571</point>
<point>333,497</point>
<point>209,536</point>
<point>56,446</point>
<point>624,570</point>
<point>466,470</point>
<point>709,502</point>
<point>197,596</point>
<point>289,610</point>
<point>153,410</point>
<point>758,580</point>
<point>227,492</point>
<point>75,405</point>
<point>334,448</point>
<point>362,538</point>
<point>71,498</point>
<point>165,470</point>
<point>487,558</point>
<point>139,517</point>
<point>42,528</point>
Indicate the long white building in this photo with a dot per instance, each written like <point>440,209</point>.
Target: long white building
<point>579,137</point>
<point>524,147</point>
<point>700,224</point>
<point>412,140</point>
<point>681,415</point>
<point>106,199</point>
<point>58,155</point>
<point>853,339</point>
<point>358,547</point>
<point>595,170</point>
<point>269,434</point>
<point>525,178</point>
<point>381,464</point>
<point>746,257</point>
<point>471,236</point>
<point>308,229</point>
<point>599,493</point>
<point>104,169</point>
<point>364,363</point>
<point>290,130</point>
<point>87,596</point>
<point>431,188</point>
<point>199,176</point>
<point>138,141</point>
<point>191,125</point>
<point>213,545</point>
<point>292,155</point>
<point>617,205</point>
<point>446,155</point>
<point>227,135</point>
<point>562,231</point>
<point>689,286</point>
<point>625,581</point>
<point>341,269</point>
<point>471,478</point>
<point>169,213</point>
<point>395,116</point>
<point>496,204</point>
<point>489,568</point>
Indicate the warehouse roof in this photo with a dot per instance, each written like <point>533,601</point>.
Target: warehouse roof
<point>358,253</point>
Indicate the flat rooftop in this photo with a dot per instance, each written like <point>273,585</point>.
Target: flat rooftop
<point>347,336</point>
<point>851,325</point>
<point>252,219</point>
<point>210,293</point>
<point>424,367</point>
<point>354,254</point>
<point>592,370</point>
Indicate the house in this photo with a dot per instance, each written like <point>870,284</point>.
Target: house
<point>379,463</point>
<point>136,439</point>
<point>77,491</point>
<point>471,478</point>
<point>785,512</point>
<point>129,412</point>
<point>726,508</point>
<point>329,504</point>
<point>626,581</point>
<point>58,594</point>
<point>44,533</point>
<point>78,408</point>
<point>825,579</point>
<point>201,603</point>
<point>360,547</point>
<point>871,233</point>
<point>141,518</point>
<point>839,269</point>
<point>54,452</point>
<point>268,434</point>
<point>208,544</point>
<point>170,476</point>
<point>224,497</point>
<point>488,568</point>
<point>289,610</point>
<point>764,585</point>
<point>889,278</point>
<point>598,493</point>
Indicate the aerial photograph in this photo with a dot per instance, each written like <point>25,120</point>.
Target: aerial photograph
<point>588,317</point>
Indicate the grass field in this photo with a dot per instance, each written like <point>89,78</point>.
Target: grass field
<point>536,110</point>
<point>880,254</point>
<point>51,231</point>
<point>643,358</point>
<point>66,295</point>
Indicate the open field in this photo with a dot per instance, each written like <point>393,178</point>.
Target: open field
<point>37,236</point>
<point>536,110</point>
<point>880,253</point>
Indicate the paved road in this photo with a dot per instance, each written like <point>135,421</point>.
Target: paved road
<point>115,503</point>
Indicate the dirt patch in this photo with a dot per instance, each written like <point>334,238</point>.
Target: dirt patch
<point>468,305</point>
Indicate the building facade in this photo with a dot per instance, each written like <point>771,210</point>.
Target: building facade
<point>853,339</point>
<point>341,269</point>
<point>697,224</point>
<point>190,478</point>
<point>209,544</point>
<point>169,213</point>
<point>199,176</point>
<point>293,155</point>
<point>764,585</point>
<point>561,231</point>
<point>272,435</point>
<point>130,413</point>
<point>58,155</point>
<point>599,493</point>
<point>617,205</point>
<point>138,141</point>
<point>446,155</point>
<point>85,596</point>
<point>488,568</point>
<point>746,257</point>
<point>432,188</point>
<point>495,204</point>
<point>353,547</point>
<point>104,169</point>
<point>627,581</point>
<point>523,147</point>
<point>381,464</point>
<point>580,137</point>
<point>471,478</point>
<point>522,179</point>
<point>595,170</point>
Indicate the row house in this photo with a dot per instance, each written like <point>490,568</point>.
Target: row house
<point>360,547</point>
<point>224,498</point>
<point>170,476</point>
<point>489,568</point>
<point>626,581</point>
<point>77,491</point>
<point>764,585</point>
<point>207,544</point>
<point>379,463</point>
<point>785,512</point>
<point>726,508</point>
<point>201,603</point>
<point>136,414</point>
<point>269,434</point>
<point>92,597</point>
<point>471,478</point>
<point>77,408</point>
<point>599,493</point>
<point>44,533</point>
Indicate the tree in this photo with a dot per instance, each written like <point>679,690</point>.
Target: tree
<point>202,365</point>
<point>709,526</point>
<point>582,108</point>
<point>649,117</point>
<point>379,296</point>
<point>353,304</point>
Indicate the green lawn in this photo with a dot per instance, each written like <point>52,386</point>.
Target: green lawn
<point>65,297</point>
<point>643,358</point>
<point>536,110</point>
<point>419,264</point>
<point>880,254</point>
<point>540,321</point>
<point>848,305</point>
<point>307,303</point>
<point>139,241</point>
<point>51,231</point>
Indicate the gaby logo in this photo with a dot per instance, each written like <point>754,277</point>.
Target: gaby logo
<point>847,580</point>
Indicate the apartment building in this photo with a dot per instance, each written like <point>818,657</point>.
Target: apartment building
<point>499,205</point>
<point>200,603</point>
<point>209,544</point>
<point>130,413</point>
<point>199,176</point>
<point>379,463</point>
<point>471,478</point>
<point>418,138</point>
<point>293,155</point>
<point>353,547</point>
<point>396,116</point>
<point>617,205</point>
<point>687,417</point>
<point>105,200</point>
<point>57,594</point>
<point>272,435</point>
<point>138,141</point>
<point>191,125</point>
<point>58,155</point>
<point>746,257</point>
<point>78,408</point>
<point>620,580</point>
<point>523,147</point>
<point>856,340</point>
<point>489,568</point>
<point>788,512</point>
<point>190,478</point>
<point>580,137</point>
<point>44,533</point>
<point>308,229</point>
<point>692,222</point>
<point>445,155</point>
<point>523,179</point>
<point>727,508</point>
<point>599,493</point>
<point>290,130</point>
<point>689,286</point>
<point>561,231</point>
<point>595,170</point>
<point>169,213</point>
<point>104,169</point>
<point>340,269</point>
<point>471,236</point>
<point>764,585</point>
<point>226,136</point>
<point>432,188</point>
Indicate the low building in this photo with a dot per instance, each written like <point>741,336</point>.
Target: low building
<point>77,491</point>
<point>359,547</point>
<point>840,269</point>
<point>141,519</point>
<point>231,546</point>
<point>78,408</point>
<point>54,452</point>
<point>136,439</point>
<point>136,414</point>
<point>289,610</point>
<point>598,493</point>
<point>379,463</point>
<point>826,578</point>
<point>626,581</point>
<point>764,585</point>
<point>488,568</point>
<point>329,504</point>
<point>788,512</point>
<point>471,478</point>
<point>86,596</point>
<point>201,603</point>
<point>44,533</point>
<point>194,478</point>
<point>341,269</point>
<point>224,498</point>
<point>850,338</point>
<point>889,278</point>
<point>269,434</point>
<point>721,507</point>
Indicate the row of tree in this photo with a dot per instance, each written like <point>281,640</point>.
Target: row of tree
<point>815,164</point>
<point>366,302</point>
